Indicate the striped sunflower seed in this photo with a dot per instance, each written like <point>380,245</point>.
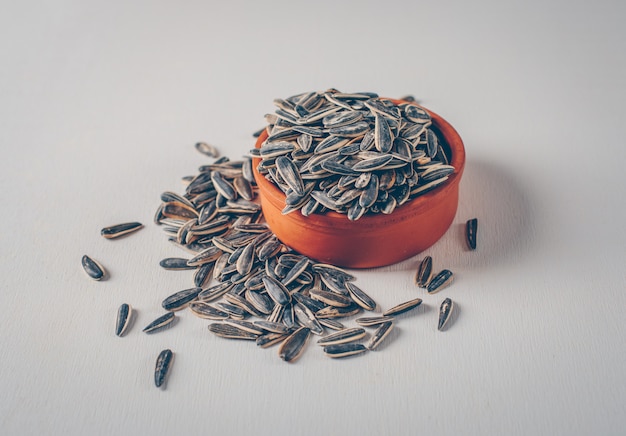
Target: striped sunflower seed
<point>291,349</point>
<point>380,334</point>
<point>93,268</point>
<point>162,367</point>
<point>180,299</point>
<point>160,323</point>
<point>471,228</point>
<point>403,307</point>
<point>342,336</point>
<point>118,230</point>
<point>344,350</point>
<point>124,318</point>
<point>424,272</point>
<point>440,281</point>
<point>445,311</point>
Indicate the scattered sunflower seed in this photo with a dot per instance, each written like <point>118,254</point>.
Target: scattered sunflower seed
<point>180,299</point>
<point>124,317</point>
<point>445,311</point>
<point>342,336</point>
<point>403,307</point>
<point>379,335</point>
<point>440,281</point>
<point>293,346</point>
<point>344,350</point>
<point>424,272</point>
<point>93,268</point>
<point>373,321</point>
<point>207,149</point>
<point>159,323</point>
<point>118,230</point>
<point>162,368</point>
<point>471,228</point>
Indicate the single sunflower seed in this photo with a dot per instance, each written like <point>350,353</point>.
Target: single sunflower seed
<point>445,311</point>
<point>162,368</point>
<point>118,230</point>
<point>93,268</point>
<point>124,318</point>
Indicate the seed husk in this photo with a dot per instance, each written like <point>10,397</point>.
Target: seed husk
<point>124,318</point>
<point>290,174</point>
<point>342,336</point>
<point>160,323</point>
<point>445,311</point>
<point>180,299</point>
<point>360,297</point>
<point>380,334</point>
<point>424,272</point>
<point>118,230</point>
<point>245,326</point>
<point>175,264</point>
<point>162,368</point>
<point>214,292</point>
<point>403,307</point>
<point>206,311</point>
<point>207,149</point>
<point>291,349</point>
<point>93,269</point>
<point>269,339</point>
<point>330,298</point>
<point>344,350</point>
<point>231,332</point>
<point>272,327</point>
<point>471,228</point>
<point>373,321</point>
<point>440,281</point>
<point>276,291</point>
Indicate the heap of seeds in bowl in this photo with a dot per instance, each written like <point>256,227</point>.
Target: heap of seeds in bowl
<point>351,153</point>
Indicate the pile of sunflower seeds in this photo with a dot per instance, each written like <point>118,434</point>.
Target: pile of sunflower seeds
<point>245,278</point>
<point>351,153</point>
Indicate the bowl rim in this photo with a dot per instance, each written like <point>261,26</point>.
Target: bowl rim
<point>270,192</point>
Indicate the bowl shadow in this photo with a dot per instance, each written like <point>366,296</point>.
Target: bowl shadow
<point>506,221</point>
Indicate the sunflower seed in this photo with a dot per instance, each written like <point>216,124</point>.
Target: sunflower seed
<point>379,335</point>
<point>231,332</point>
<point>344,350</point>
<point>424,272</point>
<point>159,323</point>
<point>175,263</point>
<point>440,281</point>
<point>269,339</point>
<point>471,228</point>
<point>360,297</point>
<point>206,311</point>
<point>214,292</point>
<point>330,298</point>
<point>207,149</point>
<point>342,336</point>
<point>118,230</point>
<point>162,368</point>
<point>276,291</point>
<point>305,317</point>
<point>203,275</point>
<point>403,307</point>
<point>373,321</point>
<point>290,174</point>
<point>272,327</point>
<point>124,318</point>
<point>331,324</point>
<point>93,268</point>
<point>180,299</point>
<point>293,346</point>
<point>445,311</point>
<point>245,326</point>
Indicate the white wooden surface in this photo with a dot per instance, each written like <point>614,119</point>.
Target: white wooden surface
<point>100,104</point>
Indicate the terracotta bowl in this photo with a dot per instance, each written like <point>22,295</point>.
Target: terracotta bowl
<point>373,240</point>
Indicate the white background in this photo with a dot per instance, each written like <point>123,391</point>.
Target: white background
<point>100,105</point>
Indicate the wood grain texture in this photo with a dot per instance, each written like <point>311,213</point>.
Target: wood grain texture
<point>101,106</point>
